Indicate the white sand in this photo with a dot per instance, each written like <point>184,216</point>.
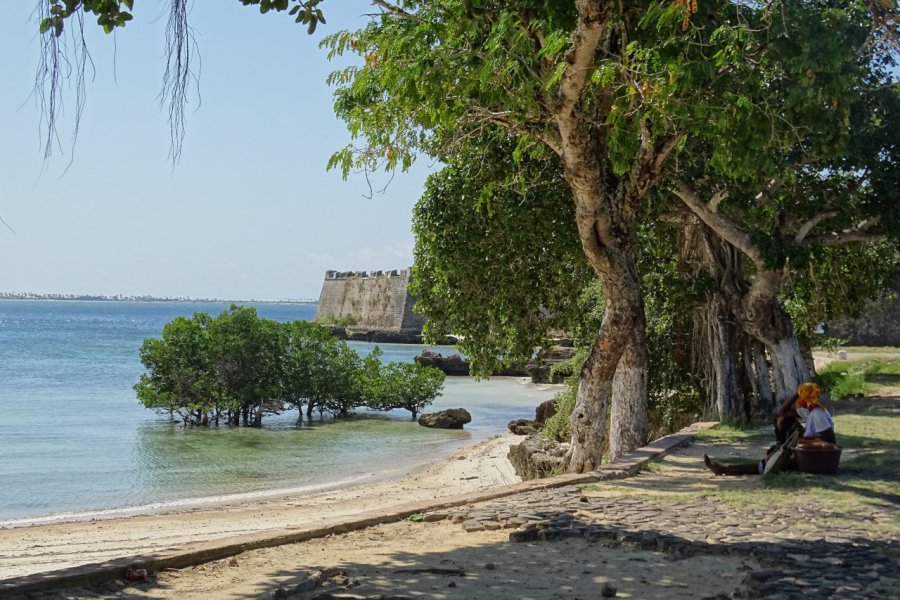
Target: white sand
<point>40,548</point>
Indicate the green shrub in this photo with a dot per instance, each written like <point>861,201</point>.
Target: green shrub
<point>843,379</point>
<point>345,321</point>
<point>556,428</point>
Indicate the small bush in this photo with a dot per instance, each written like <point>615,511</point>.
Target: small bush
<point>843,379</point>
<point>556,428</point>
<point>345,321</point>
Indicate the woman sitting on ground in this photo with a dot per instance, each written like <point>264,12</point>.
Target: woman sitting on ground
<point>819,429</point>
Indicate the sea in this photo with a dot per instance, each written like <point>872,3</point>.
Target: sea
<point>76,444</point>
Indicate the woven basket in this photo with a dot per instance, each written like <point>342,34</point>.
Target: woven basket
<point>822,460</point>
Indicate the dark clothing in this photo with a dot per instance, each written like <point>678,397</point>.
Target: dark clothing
<point>784,426</point>
<point>827,435</point>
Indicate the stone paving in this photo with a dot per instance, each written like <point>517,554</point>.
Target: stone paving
<point>842,559</point>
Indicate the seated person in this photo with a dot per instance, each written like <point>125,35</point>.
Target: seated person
<point>818,429</point>
<point>819,424</point>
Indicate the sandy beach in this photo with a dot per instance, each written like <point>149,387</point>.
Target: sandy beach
<point>50,547</point>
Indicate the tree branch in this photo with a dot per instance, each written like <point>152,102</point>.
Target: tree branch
<point>728,230</point>
<point>810,225</point>
<point>391,8</point>
<point>863,232</point>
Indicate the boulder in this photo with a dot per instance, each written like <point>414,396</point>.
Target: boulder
<point>537,457</point>
<point>544,411</point>
<point>522,427</point>
<point>450,365</point>
<point>539,370</point>
<point>452,418</point>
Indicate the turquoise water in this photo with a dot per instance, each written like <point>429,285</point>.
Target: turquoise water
<point>75,442</point>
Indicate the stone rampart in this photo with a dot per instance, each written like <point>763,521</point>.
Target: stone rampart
<point>377,300</point>
<point>878,326</point>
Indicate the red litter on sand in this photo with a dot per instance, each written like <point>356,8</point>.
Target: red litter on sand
<point>136,575</point>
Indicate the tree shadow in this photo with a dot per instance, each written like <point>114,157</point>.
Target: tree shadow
<point>575,559</point>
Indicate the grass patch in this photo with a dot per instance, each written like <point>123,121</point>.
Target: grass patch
<point>845,378</point>
<point>651,466</point>
<point>730,434</point>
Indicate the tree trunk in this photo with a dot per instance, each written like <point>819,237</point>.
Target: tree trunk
<point>757,368</point>
<point>614,373</point>
<point>588,420</point>
<point>762,317</point>
<point>715,348</point>
<point>715,352</point>
<point>628,420</point>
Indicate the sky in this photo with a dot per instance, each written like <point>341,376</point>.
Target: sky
<point>249,212</point>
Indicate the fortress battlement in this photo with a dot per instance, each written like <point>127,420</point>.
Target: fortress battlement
<point>367,274</point>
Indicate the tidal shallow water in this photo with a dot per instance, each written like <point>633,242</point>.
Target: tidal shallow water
<point>75,442</point>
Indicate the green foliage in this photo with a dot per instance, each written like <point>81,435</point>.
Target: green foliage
<point>497,256</point>
<point>114,14</point>
<point>238,367</point>
<point>180,377</point>
<point>675,392</point>
<point>345,321</point>
<point>840,281</point>
<point>111,14</point>
<point>556,428</point>
<point>846,379</point>
<point>408,386</point>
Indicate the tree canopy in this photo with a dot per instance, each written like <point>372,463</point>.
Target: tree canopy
<point>765,132</point>
<point>237,367</point>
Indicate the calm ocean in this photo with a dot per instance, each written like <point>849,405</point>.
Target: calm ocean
<point>75,443</point>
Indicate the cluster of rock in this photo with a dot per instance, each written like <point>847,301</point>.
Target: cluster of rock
<point>377,336</point>
<point>536,456</point>
<point>538,370</point>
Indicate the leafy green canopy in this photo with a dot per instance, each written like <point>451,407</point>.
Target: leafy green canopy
<point>802,177</point>
<point>114,14</point>
<point>238,367</point>
<point>497,257</point>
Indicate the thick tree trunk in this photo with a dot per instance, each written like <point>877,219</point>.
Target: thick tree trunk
<point>724,389</point>
<point>588,420</point>
<point>762,317</point>
<point>715,336</point>
<point>715,353</point>
<point>614,374</point>
<point>789,367</point>
<point>628,420</point>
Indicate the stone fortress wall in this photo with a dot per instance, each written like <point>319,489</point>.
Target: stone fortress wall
<point>377,300</point>
<point>878,326</point>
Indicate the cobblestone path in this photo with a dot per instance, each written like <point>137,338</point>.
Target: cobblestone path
<point>838,555</point>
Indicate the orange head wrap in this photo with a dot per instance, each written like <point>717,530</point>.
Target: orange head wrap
<point>808,396</point>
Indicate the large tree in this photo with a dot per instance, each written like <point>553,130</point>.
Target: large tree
<point>809,160</point>
<point>610,90</point>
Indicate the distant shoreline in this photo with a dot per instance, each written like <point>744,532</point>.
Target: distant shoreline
<point>121,298</point>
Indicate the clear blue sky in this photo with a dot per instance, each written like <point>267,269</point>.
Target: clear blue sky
<point>249,212</point>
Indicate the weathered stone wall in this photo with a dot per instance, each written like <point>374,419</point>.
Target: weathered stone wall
<point>377,300</point>
<point>879,326</point>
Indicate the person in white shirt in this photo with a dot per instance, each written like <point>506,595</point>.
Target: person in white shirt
<point>819,423</point>
<point>818,428</point>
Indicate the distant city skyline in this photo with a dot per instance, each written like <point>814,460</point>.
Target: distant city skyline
<point>249,212</point>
